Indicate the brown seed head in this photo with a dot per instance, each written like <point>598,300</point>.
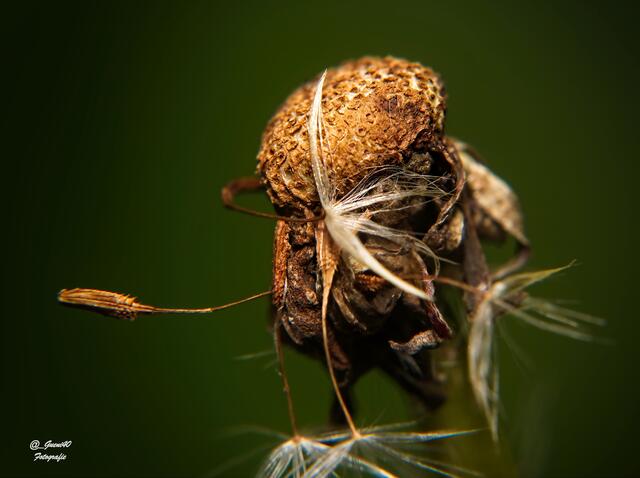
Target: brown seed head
<point>377,112</point>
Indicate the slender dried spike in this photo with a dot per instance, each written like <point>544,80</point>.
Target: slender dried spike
<point>123,306</point>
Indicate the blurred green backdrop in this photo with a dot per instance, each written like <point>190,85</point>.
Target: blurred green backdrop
<point>123,121</point>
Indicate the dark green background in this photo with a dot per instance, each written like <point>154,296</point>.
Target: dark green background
<point>123,121</point>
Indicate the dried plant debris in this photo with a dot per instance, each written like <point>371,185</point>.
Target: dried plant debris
<point>376,210</point>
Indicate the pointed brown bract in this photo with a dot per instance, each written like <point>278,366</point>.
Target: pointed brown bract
<point>328,257</point>
<point>498,206</point>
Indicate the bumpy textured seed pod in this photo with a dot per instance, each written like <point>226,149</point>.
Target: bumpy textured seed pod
<point>377,112</point>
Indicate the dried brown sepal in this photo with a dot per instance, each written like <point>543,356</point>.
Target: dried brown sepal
<point>498,206</point>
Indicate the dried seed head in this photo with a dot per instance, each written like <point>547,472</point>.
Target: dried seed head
<point>377,112</point>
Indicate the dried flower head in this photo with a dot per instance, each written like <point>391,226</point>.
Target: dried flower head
<point>371,197</point>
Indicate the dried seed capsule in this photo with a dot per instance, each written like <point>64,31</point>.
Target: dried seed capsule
<point>366,143</point>
<point>377,112</point>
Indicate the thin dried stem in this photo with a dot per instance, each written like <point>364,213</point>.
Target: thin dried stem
<point>455,283</point>
<point>283,375</point>
<point>334,381</point>
<point>240,185</point>
<point>328,254</point>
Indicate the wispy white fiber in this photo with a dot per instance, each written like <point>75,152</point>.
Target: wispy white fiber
<point>373,446</point>
<point>481,352</point>
<point>483,371</point>
<point>345,218</point>
<point>292,458</point>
